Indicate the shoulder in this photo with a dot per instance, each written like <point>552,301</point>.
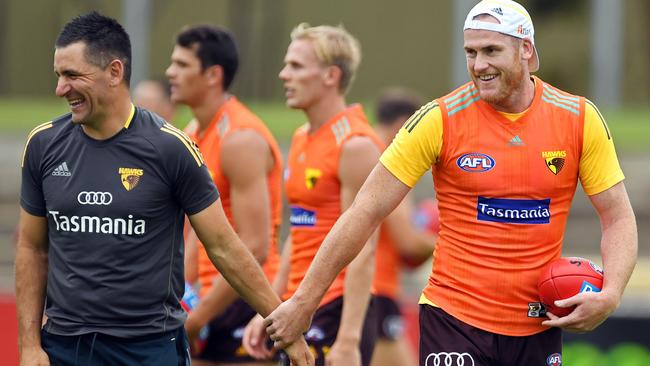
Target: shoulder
<point>47,131</point>
<point>359,144</point>
<point>556,98</point>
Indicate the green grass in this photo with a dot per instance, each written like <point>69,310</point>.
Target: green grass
<point>630,127</point>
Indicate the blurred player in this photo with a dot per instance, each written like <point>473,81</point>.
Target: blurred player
<point>246,164</point>
<point>507,150</point>
<point>155,95</point>
<point>104,193</point>
<point>330,157</point>
<point>400,241</point>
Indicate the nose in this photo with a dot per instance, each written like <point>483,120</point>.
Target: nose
<point>62,87</point>
<point>283,75</point>
<point>169,72</point>
<point>480,63</point>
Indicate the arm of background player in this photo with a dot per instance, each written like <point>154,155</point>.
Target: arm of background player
<point>358,156</point>
<point>413,244</point>
<point>254,339</point>
<point>191,258</point>
<point>379,196</point>
<point>31,281</point>
<point>618,246</point>
<point>240,268</point>
<point>250,206</point>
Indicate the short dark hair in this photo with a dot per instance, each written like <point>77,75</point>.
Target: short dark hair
<point>395,103</point>
<point>215,46</point>
<point>105,39</point>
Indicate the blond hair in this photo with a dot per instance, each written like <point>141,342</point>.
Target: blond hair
<point>334,46</point>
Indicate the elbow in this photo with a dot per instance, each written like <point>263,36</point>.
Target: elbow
<point>260,252</point>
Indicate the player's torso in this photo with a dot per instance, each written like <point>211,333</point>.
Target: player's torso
<point>232,117</point>
<point>388,265</point>
<point>313,189</point>
<point>504,190</point>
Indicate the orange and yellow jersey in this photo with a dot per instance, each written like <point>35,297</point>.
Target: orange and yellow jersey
<point>388,263</point>
<point>314,190</point>
<point>234,116</point>
<point>504,183</point>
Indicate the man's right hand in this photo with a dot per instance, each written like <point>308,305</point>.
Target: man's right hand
<point>299,353</point>
<point>288,322</point>
<point>33,356</point>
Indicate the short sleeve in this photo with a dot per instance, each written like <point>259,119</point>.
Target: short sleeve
<point>599,167</point>
<point>31,187</point>
<point>416,147</point>
<point>193,187</point>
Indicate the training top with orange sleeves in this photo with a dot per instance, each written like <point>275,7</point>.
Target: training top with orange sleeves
<point>313,190</point>
<point>504,184</point>
<point>231,117</point>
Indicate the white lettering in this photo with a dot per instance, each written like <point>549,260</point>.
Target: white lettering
<point>99,225</point>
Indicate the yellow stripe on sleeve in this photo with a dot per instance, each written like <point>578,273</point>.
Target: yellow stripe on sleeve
<point>189,144</point>
<point>36,130</point>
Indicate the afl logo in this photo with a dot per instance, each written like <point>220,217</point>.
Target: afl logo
<point>554,360</point>
<point>475,162</point>
<point>95,198</point>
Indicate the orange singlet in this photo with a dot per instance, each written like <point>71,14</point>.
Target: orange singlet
<point>504,184</point>
<point>234,116</point>
<point>314,190</point>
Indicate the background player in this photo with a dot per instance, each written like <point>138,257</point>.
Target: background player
<point>155,95</point>
<point>329,159</point>
<point>104,193</point>
<point>399,242</point>
<point>246,164</point>
<point>507,150</point>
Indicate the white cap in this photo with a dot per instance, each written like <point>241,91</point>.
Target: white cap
<point>513,19</point>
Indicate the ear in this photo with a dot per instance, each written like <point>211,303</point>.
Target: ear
<point>214,75</point>
<point>333,75</point>
<point>527,49</point>
<point>116,70</point>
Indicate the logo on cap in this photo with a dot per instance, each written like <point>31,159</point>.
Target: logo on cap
<point>497,11</point>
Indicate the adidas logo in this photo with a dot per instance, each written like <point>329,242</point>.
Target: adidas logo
<point>62,170</point>
<point>497,10</point>
<point>516,141</point>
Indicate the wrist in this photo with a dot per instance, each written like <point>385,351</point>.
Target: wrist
<point>305,302</point>
<point>346,339</point>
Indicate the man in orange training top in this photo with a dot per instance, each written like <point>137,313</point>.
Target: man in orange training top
<point>507,150</point>
<point>330,158</point>
<point>245,163</point>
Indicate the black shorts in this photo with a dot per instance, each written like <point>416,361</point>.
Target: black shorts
<point>325,325</point>
<point>164,349</point>
<point>445,340</point>
<point>390,323</point>
<point>224,343</point>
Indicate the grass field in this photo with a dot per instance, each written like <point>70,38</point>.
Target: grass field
<point>630,127</point>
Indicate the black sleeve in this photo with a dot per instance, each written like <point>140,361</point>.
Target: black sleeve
<point>31,187</point>
<point>193,187</point>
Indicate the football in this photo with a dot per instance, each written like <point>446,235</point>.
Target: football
<point>566,277</point>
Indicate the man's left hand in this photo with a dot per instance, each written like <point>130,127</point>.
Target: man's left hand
<point>343,354</point>
<point>592,308</point>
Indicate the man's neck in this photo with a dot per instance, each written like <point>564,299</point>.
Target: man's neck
<point>204,112</point>
<point>520,99</point>
<point>323,110</point>
<point>110,124</point>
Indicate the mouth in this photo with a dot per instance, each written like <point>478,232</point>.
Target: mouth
<point>487,78</point>
<point>289,92</point>
<point>76,103</point>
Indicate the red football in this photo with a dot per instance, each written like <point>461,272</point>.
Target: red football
<point>566,277</point>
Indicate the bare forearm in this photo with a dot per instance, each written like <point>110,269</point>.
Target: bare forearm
<point>341,246</point>
<point>245,275</point>
<point>282,276</point>
<point>619,248</point>
<point>31,279</point>
<point>358,280</point>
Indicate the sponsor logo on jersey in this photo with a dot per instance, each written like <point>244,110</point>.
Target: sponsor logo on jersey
<point>588,287</point>
<point>62,170</point>
<point>514,211</point>
<point>536,310</point>
<point>516,141</point>
<point>554,360</point>
<point>311,177</point>
<point>301,217</point>
<point>94,198</point>
<point>449,359</point>
<point>475,162</point>
<point>554,160</point>
<point>130,177</point>
<point>98,225</point>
